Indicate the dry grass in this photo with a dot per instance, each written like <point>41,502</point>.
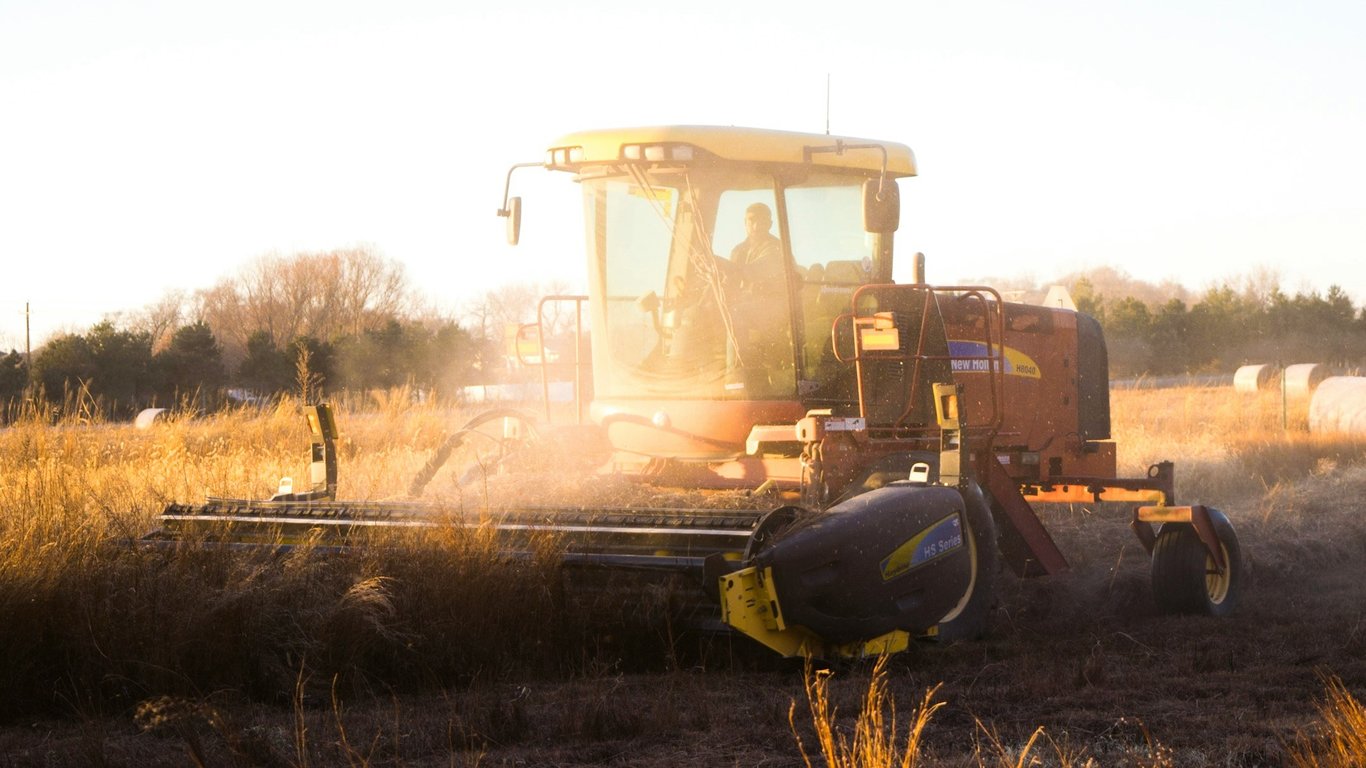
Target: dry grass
<point>1241,453</point>
<point>91,623</point>
<point>189,643</point>
<point>1339,740</point>
<point>1227,446</point>
<point>876,741</point>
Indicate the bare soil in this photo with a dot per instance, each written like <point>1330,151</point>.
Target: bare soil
<point>1083,655</point>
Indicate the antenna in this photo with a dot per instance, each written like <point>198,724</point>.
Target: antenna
<point>827,103</point>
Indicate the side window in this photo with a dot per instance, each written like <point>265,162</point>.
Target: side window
<point>833,256</point>
<point>641,227</point>
<point>828,241</point>
<point>633,232</point>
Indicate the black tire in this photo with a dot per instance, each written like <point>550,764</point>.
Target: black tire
<point>970,618</point>
<point>1184,576</point>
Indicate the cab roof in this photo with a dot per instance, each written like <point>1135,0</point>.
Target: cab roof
<point>737,144</point>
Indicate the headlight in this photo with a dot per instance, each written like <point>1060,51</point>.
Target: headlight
<point>563,157</point>
<point>656,153</point>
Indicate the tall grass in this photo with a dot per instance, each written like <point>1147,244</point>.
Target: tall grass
<point>1226,445</point>
<point>877,741</point>
<point>90,621</point>
<point>1339,739</point>
<point>92,625</point>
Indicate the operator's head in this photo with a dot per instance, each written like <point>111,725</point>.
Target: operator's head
<point>758,219</point>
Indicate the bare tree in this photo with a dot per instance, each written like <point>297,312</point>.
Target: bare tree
<point>496,315</point>
<point>1258,285</point>
<point>371,288</point>
<point>325,295</point>
<point>266,304</point>
<point>160,319</point>
<point>516,304</point>
<point>223,308</point>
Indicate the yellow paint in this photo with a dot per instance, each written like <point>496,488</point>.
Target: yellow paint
<point>1020,364</point>
<point>1164,514</point>
<point>662,196</point>
<point>1081,494</point>
<point>903,557</point>
<point>895,641</point>
<point>880,340</point>
<point>745,144</point>
<point>749,605</point>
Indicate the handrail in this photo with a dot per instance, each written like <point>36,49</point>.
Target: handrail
<point>580,363</point>
<point>992,340</point>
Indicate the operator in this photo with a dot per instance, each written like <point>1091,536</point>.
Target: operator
<point>758,259</point>
<point>759,303</point>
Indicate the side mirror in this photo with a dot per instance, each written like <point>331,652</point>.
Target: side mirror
<point>881,205</point>
<point>513,213</point>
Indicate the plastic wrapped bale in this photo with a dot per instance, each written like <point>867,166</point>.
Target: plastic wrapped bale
<point>1302,379</point>
<point>149,416</point>
<point>1339,405</point>
<point>1251,378</point>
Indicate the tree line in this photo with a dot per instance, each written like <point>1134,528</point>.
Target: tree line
<point>1230,324</point>
<point>349,320</point>
<point>343,320</point>
<point>116,370</point>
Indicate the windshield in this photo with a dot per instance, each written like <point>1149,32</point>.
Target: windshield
<point>718,283</point>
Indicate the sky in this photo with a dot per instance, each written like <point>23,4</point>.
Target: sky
<point>148,147</point>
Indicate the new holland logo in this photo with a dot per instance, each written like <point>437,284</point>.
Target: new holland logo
<point>972,357</point>
<point>934,542</point>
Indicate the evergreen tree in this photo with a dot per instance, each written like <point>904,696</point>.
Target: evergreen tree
<point>13,377</point>
<point>124,375</point>
<point>192,365</point>
<point>1167,339</point>
<point>266,369</point>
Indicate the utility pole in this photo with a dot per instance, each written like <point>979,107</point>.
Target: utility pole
<point>28,352</point>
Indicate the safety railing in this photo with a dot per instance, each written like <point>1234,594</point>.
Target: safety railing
<point>905,324</point>
<point>582,365</point>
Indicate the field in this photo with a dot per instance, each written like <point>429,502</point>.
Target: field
<point>432,652</point>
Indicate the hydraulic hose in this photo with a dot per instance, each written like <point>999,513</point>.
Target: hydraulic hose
<point>443,452</point>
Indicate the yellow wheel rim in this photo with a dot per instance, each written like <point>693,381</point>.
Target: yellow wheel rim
<point>1217,582</point>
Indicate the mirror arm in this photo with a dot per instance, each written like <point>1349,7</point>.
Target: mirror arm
<point>507,187</point>
<point>839,148</point>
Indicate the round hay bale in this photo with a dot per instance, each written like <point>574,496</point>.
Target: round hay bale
<point>1251,378</point>
<point>1302,379</point>
<point>149,416</point>
<point>1339,405</point>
